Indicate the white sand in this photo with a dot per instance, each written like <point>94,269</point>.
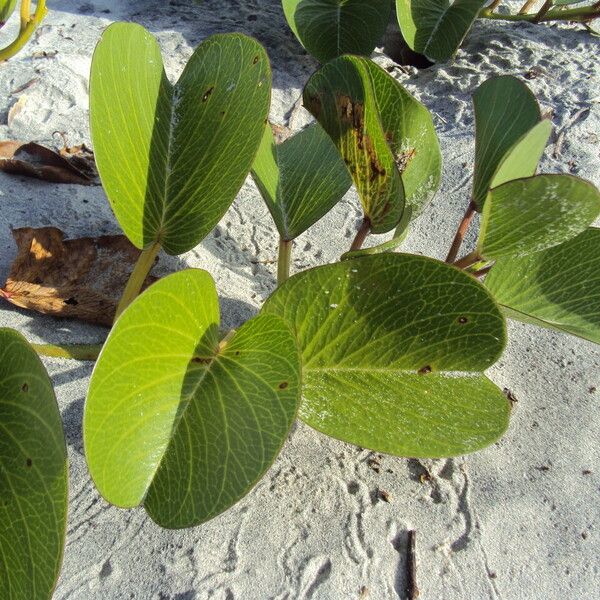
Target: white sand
<point>518,520</point>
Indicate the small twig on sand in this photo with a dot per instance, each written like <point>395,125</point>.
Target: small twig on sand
<point>412,590</point>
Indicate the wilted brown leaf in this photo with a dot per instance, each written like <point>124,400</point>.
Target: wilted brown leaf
<point>81,278</point>
<point>69,165</point>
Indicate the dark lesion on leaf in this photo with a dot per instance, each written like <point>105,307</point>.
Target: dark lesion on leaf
<point>424,370</point>
<point>283,385</point>
<point>463,320</point>
<point>403,159</point>
<point>313,105</point>
<point>202,360</point>
<point>29,462</point>
<point>255,59</point>
<point>25,387</point>
<point>208,93</point>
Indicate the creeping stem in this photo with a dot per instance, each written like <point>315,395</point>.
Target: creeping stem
<point>29,24</point>
<point>283,262</point>
<point>546,13</point>
<point>138,276</point>
<point>361,234</point>
<point>461,232</point>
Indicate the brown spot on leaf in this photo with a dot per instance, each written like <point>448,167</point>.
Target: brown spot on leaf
<point>313,105</point>
<point>403,159</point>
<point>463,320</point>
<point>207,94</point>
<point>29,462</point>
<point>255,59</point>
<point>82,278</point>
<point>283,385</point>
<point>203,360</point>
<point>25,387</point>
<point>424,370</point>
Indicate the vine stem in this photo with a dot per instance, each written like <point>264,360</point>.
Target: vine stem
<point>468,260</point>
<point>283,261</point>
<point>138,276</point>
<point>28,25</point>
<point>76,351</point>
<point>461,232</point>
<point>361,234</point>
<point>525,8</point>
<point>580,14</point>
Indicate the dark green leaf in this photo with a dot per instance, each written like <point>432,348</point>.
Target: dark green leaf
<point>385,136</point>
<point>558,288</point>
<point>300,179</point>
<point>330,28</point>
<point>33,474</point>
<point>178,421</point>
<point>529,215</point>
<point>393,350</point>
<point>505,112</point>
<point>436,28</point>
<point>172,158</point>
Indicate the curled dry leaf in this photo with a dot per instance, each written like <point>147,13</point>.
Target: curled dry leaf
<point>69,165</point>
<point>81,278</point>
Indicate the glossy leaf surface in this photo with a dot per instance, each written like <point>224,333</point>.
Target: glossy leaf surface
<point>384,135</point>
<point>179,421</point>
<point>529,215</point>
<point>33,474</point>
<point>505,112</point>
<point>173,157</point>
<point>436,28</point>
<point>393,350</point>
<point>558,288</point>
<point>300,179</point>
<point>330,28</point>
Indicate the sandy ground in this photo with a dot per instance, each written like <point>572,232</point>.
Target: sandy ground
<point>519,520</point>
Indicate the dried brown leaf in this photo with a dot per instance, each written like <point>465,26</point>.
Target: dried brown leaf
<point>80,278</point>
<point>69,165</point>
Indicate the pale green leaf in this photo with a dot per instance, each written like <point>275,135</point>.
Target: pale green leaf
<point>529,215</point>
<point>436,28</point>
<point>173,157</point>
<point>394,347</point>
<point>505,112</point>
<point>33,474</point>
<point>384,135</point>
<point>300,179</point>
<point>523,158</point>
<point>558,288</point>
<point>178,421</point>
<point>330,28</point>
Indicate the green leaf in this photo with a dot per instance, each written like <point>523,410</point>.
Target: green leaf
<point>33,474</point>
<point>172,158</point>
<point>178,421</point>
<point>529,215</point>
<point>330,28</point>
<point>558,288</point>
<point>523,158</point>
<point>300,179</point>
<point>505,112</point>
<point>6,10</point>
<point>384,135</point>
<point>393,349</point>
<point>436,28</point>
